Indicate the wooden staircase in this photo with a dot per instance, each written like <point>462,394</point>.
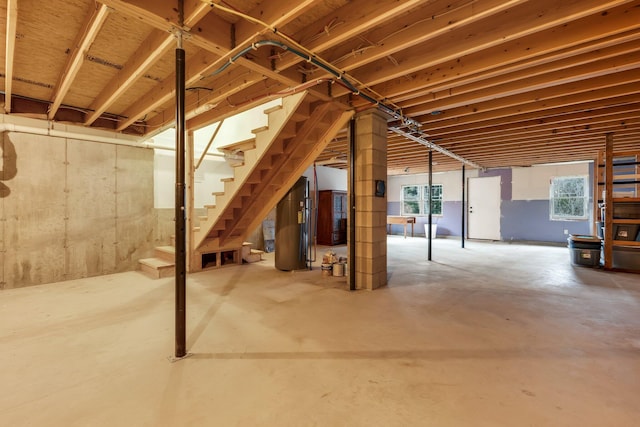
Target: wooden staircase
<point>297,132</point>
<point>162,264</point>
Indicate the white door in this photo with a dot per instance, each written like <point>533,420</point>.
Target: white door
<point>484,208</point>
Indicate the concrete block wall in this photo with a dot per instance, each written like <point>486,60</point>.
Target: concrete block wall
<point>73,209</point>
<point>371,211</point>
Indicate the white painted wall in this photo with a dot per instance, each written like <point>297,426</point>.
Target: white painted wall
<point>233,129</point>
<point>451,184</point>
<point>328,178</point>
<point>533,183</point>
<point>213,167</point>
<point>207,179</point>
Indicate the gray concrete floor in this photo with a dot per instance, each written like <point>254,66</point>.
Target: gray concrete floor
<point>492,335</point>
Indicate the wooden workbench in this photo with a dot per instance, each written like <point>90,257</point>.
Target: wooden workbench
<point>404,220</point>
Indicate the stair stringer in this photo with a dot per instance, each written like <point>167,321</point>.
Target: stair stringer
<point>269,201</point>
<point>265,137</point>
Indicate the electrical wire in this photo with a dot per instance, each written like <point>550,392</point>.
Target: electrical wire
<point>339,76</point>
<point>300,51</point>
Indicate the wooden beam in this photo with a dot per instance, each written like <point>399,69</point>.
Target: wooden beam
<point>514,102</point>
<point>202,105</point>
<point>500,87</point>
<point>582,118</point>
<point>587,34</point>
<point>10,43</point>
<point>623,90</point>
<point>514,23</point>
<point>85,38</point>
<point>275,14</point>
<point>436,20</point>
<point>151,50</point>
<point>582,66</point>
<point>208,37</point>
<point>542,115</point>
<point>194,12</point>
<point>349,22</point>
<point>162,15</point>
<point>165,90</point>
<point>547,133</point>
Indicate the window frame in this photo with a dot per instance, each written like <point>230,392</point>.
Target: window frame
<point>553,197</point>
<point>421,199</point>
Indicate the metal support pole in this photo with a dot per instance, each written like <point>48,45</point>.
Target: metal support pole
<point>464,210</point>
<point>352,205</point>
<point>430,202</point>
<point>180,278</point>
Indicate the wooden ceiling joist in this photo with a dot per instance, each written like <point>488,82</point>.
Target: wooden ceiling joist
<point>601,108</point>
<point>94,22</point>
<point>153,48</point>
<point>618,25</point>
<point>494,82</point>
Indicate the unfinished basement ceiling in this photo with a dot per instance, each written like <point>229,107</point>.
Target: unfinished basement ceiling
<point>497,82</point>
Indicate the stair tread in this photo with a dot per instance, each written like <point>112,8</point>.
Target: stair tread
<point>218,193</point>
<point>210,206</point>
<point>273,109</point>
<point>256,251</point>
<point>244,145</point>
<point>230,179</point>
<point>156,263</point>
<point>167,248</point>
<point>260,129</point>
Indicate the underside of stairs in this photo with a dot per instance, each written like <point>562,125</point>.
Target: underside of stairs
<point>274,160</point>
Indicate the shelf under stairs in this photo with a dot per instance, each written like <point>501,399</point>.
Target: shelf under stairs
<point>162,264</point>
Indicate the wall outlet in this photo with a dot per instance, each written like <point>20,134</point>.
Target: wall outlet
<point>566,231</point>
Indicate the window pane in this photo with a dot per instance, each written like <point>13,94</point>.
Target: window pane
<point>437,207</point>
<point>568,197</point>
<point>411,208</point>
<point>410,192</point>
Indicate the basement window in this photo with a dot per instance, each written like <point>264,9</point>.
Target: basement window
<point>414,200</point>
<point>568,198</point>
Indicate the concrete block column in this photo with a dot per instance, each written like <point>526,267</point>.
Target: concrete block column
<point>371,211</point>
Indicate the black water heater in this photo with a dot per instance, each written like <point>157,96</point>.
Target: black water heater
<point>292,216</point>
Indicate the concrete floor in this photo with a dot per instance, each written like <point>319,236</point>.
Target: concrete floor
<point>492,335</point>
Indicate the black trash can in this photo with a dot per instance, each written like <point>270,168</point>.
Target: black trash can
<point>585,250</point>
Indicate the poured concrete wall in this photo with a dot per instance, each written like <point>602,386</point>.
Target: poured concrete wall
<point>72,209</point>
